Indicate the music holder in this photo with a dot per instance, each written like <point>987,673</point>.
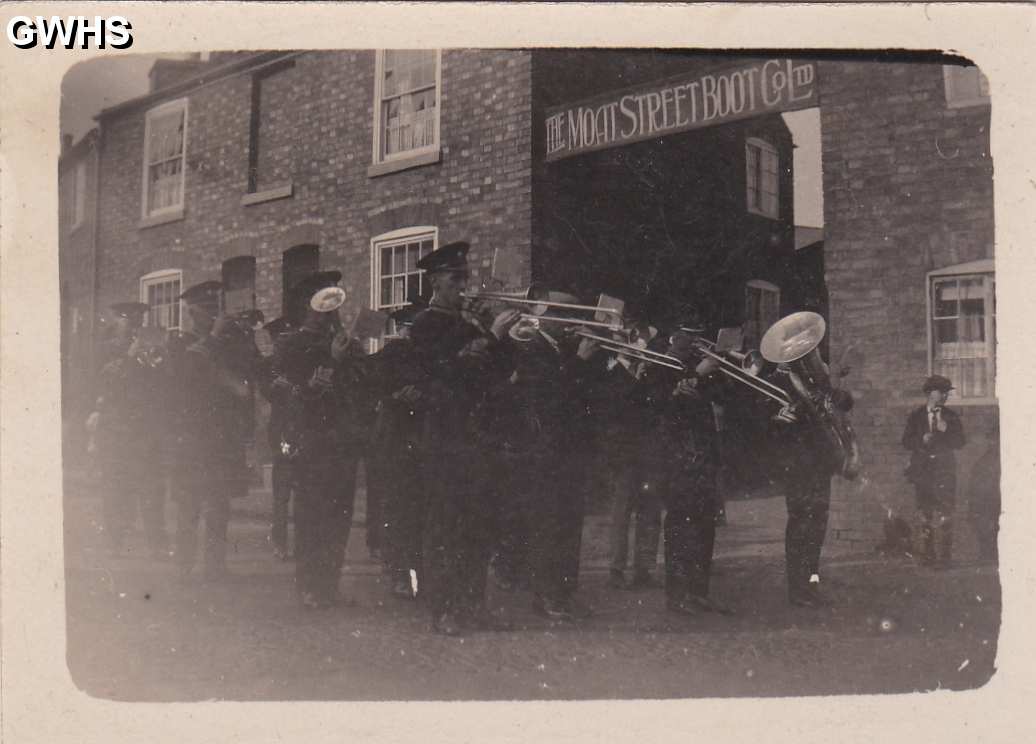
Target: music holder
<point>612,303</point>
<point>729,339</point>
<point>369,324</point>
<point>506,268</point>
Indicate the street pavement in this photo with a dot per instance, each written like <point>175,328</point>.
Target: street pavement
<point>135,632</point>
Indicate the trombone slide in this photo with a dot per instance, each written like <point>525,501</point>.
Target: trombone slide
<point>505,298</point>
<point>571,321</point>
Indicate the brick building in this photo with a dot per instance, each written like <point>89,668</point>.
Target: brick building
<point>575,168</point>
<point>908,243</point>
<point>77,253</point>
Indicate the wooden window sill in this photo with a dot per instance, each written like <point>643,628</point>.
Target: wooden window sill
<point>404,163</point>
<point>161,219</point>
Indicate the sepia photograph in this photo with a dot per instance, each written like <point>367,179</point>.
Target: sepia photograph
<point>524,372</point>
<point>528,373</point>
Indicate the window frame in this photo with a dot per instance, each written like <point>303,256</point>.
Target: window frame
<point>418,155</point>
<point>161,276</point>
<point>151,114</point>
<point>764,286</point>
<point>279,190</point>
<point>763,146</point>
<point>950,83</point>
<point>417,233</point>
<point>983,268</point>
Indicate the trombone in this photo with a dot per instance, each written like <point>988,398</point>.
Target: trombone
<point>734,372</point>
<point>611,326</point>
<point>727,367</point>
<point>635,352</point>
<point>522,298</point>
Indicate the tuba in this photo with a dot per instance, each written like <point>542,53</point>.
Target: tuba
<point>792,343</point>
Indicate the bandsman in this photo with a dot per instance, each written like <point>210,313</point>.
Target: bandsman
<point>217,426</point>
<point>129,444</point>
<point>312,380</point>
<point>458,360</point>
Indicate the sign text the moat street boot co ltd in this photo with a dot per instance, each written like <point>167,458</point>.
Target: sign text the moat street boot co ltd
<point>678,104</point>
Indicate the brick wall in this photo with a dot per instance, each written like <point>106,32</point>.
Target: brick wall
<point>907,189</point>
<point>78,313</point>
<point>479,191</point>
<point>316,133</point>
<point>663,221</point>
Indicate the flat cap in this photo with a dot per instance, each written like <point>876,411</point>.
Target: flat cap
<point>451,257</point>
<point>937,382</point>
<point>202,292</point>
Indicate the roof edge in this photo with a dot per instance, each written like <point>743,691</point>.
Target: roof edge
<point>195,81</point>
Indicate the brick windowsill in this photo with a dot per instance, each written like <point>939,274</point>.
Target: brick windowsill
<point>404,163</point>
<point>278,192</point>
<point>160,219</point>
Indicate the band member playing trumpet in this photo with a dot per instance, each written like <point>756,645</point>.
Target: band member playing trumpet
<point>308,370</point>
<point>932,433</point>
<point>458,360</point>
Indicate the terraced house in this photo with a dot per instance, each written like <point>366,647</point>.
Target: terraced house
<point>659,177</point>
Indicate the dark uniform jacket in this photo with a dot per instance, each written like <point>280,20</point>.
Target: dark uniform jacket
<point>316,421</point>
<point>218,415</point>
<point>131,403</point>
<point>933,464</point>
<point>686,434</point>
<point>457,362</point>
<point>540,409</point>
<point>397,424</point>
<point>621,402</point>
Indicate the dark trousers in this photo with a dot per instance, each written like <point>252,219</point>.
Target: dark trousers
<point>129,487</point>
<point>690,539</point>
<point>283,477</point>
<point>325,488</point>
<point>554,518</point>
<point>459,532</point>
<point>206,490</point>
<point>936,490</point>
<point>807,495</point>
<point>394,480</point>
<point>635,490</point>
<point>375,532</point>
<point>512,485</point>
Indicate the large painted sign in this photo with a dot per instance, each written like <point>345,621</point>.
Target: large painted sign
<point>679,104</point>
